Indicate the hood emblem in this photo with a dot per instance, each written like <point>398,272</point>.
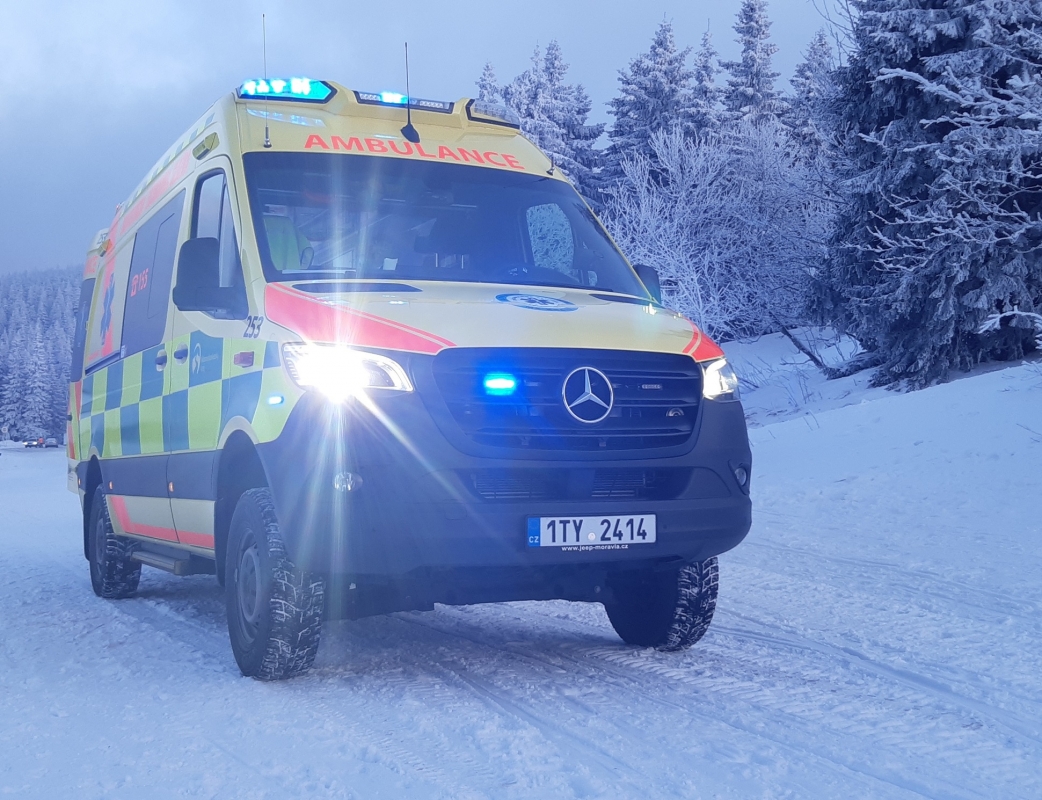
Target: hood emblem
<point>588,395</point>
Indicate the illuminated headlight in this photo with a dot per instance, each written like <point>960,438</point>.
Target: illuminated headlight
<point>341,372</point>
<point>720,381</point>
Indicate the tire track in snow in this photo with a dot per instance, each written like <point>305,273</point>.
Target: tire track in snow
<point>925,583</point>
<point>625,681</point>
<point>921,683</point>
<point>634,664</point>
<point>373,732</point>
<point>464,679</point>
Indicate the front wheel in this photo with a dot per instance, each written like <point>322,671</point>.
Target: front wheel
<point>669,610</point>
<point>274,609</point>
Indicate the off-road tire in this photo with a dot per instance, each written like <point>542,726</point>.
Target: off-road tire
<point>274,608</point>
<point>668,610</point>
<point>113,575</point>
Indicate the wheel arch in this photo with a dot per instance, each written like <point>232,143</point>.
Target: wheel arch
<point>239,468</point>
<point>90,486</point>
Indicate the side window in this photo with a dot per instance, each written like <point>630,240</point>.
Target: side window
<point>79,340</point>
<point>550,236</point>
<point>213,219</point>
<point>151,271</point>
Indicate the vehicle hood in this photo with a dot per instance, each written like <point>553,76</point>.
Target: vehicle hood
<point>427,317</point>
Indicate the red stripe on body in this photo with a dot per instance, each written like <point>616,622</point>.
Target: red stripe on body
<point>319,322</point>
<point>701,347</point>
<point>119,506</point>
<point>196,539</point>
<point>72,434</point>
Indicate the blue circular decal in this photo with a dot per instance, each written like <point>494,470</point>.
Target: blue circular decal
<point>537,302</point>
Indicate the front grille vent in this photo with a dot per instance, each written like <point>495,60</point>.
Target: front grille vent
<point>656,399</point>
<point>534,485</point>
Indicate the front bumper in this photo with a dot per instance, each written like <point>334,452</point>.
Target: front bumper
<point>416,512</point>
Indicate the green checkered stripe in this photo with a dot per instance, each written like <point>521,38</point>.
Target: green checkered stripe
<point>132,407</point>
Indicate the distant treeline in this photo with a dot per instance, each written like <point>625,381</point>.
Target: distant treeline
<point>37,319</point>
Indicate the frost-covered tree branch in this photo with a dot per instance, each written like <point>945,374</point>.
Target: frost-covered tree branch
<point>732,222</point>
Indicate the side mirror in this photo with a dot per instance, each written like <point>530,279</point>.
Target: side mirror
<point>198,284</point>
<point>649,277</point>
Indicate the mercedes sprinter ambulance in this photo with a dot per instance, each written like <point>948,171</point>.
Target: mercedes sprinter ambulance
<point>356,353</point>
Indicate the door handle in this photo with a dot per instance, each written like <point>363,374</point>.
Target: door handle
<point>181,353</point>
<point>161,360</point>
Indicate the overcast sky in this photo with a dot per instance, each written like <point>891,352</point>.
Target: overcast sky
<point>93,92</point>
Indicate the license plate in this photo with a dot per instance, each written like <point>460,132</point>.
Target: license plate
<point>614,532</point>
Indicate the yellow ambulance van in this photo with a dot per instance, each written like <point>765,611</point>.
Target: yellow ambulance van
<point>356,353</point>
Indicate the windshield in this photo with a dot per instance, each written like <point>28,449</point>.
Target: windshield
<point>320,215</point>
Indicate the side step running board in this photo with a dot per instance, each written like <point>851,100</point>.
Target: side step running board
<point>178,566</point>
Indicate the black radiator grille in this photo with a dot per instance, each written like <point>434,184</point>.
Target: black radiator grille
<point>518,485</point>
<point>656,397</point>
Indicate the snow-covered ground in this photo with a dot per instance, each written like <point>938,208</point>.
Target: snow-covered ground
<point>879,634</point>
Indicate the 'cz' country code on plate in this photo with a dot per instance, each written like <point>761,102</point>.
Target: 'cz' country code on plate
<point>613,532</point>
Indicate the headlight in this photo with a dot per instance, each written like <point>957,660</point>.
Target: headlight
<point>720,381</point>
<point>340,372</point>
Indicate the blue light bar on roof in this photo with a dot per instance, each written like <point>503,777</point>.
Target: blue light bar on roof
<point>300,90</point>
<point>401,100</point>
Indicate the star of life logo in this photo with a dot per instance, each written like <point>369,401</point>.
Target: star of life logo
<point>536,302</point>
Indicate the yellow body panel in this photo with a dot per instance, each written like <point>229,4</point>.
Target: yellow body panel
<point>150,425</point>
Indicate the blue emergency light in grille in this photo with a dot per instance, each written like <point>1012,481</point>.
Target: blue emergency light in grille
<point>500,384</point>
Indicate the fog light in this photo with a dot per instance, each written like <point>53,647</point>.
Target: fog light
<point>741,474</point>
<point>347,482</point>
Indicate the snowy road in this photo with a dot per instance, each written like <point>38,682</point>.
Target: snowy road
<point>878,635</point>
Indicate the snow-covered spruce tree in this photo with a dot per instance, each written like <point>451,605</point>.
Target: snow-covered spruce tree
<point>553,114</point>
<point>942,111</point>
<point>810,116</point>
<point>655,94</point>
<point>12,390</point>
<point>705,94</point>
<point>488,87</point>
<point>730,220</point>
<point>36,406</point>
<point>750,93</point>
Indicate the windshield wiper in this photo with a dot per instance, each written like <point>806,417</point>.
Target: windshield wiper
<point>562,285</point>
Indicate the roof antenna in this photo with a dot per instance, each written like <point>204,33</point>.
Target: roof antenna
<point>409,132</point>
<point>553,165</point>
<point>264,45</point>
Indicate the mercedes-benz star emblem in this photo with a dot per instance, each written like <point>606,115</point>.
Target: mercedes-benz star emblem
<point>588,395</point>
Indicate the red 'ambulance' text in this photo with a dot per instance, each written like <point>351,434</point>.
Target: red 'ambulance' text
<point>401,147</point>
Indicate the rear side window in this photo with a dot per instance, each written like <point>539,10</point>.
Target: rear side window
<point>213,219</point>
<point>79,340</point>
<point>151,270</point>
